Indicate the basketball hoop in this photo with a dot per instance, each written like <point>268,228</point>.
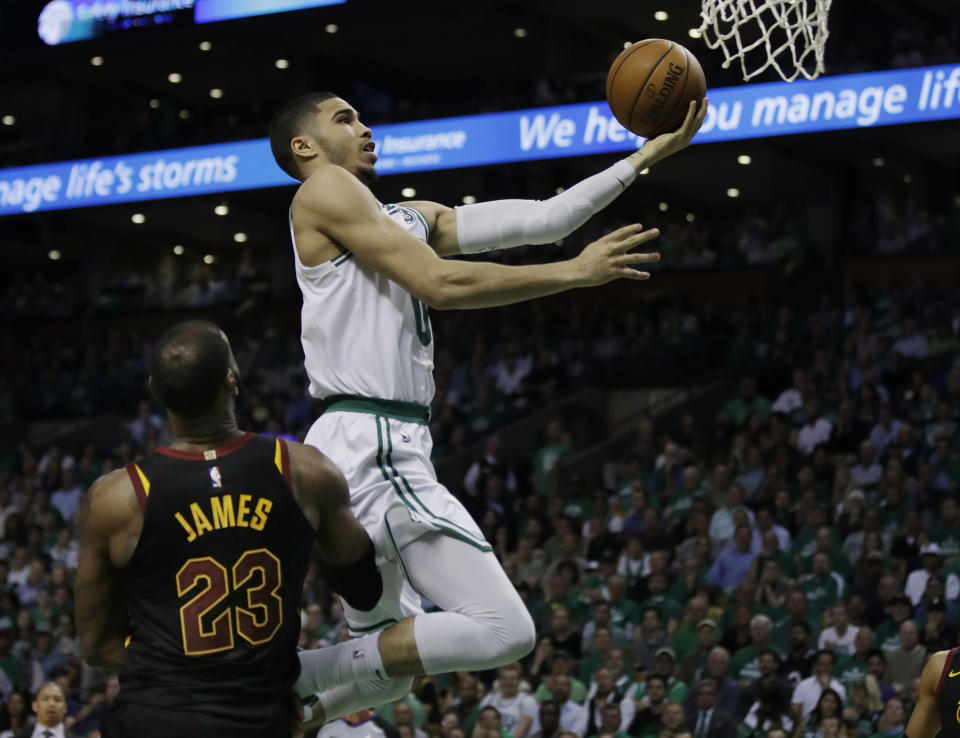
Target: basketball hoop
<point>792,33</point>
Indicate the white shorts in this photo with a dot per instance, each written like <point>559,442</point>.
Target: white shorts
<point>394,493</point>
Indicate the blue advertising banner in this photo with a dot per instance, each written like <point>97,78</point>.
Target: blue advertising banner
<point>65,21</point>
<point>749,111</point>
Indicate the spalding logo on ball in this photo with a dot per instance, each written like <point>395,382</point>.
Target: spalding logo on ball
<point>650,86</point>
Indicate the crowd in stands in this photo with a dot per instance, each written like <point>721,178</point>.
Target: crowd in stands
<point>783,565</point>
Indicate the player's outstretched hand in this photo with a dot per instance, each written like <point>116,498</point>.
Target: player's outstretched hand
<point>662,146</point>
<point>609,257</point>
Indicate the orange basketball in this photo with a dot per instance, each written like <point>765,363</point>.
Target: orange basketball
<point>650,86</point>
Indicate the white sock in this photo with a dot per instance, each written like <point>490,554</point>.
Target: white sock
<point>351,661</point>
<point>362,694</point>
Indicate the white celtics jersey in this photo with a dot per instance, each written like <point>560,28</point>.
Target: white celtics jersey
<point>362,333</point>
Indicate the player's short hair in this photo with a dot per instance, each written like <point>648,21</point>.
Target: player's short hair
<point>190,362</point>
<point>288,123</point>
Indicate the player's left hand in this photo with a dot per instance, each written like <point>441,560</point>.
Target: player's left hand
<point>662,146</point>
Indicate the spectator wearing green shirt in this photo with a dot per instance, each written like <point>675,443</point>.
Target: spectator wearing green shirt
<point>670,610</point>
<point>682,498</point>
<point>745,666</point>
<point>748,402</point>
<point>685,637</point>
<point>853,667</point>
<point>597,654</point>
<point>665,665</point>
<point>891,723</point>
<point>558,446</point>
<point>561,667</point>
<point>822,588</point>
<point>946,529</point>
<point>624,612</point>
<point>692,667</point>
<point>558,595</point>
<point>796,613</point>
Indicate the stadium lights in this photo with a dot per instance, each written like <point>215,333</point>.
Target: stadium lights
<point>240,237</point>
<point>645,171</point>
<point>178,250</point>
<point>54,255</point>
<point>208,259</point>
<point>520,32</point>
<point>138,218</point>
<point>174,78</point>
<point>205,46</point>
<point>907,178</point>
<point>560,190</point>
<point>216,93</point>
<point>97,61</point>
<point>184,114</point>
<point>744,159</point>
<point>627,44</point>
<point>733,192</point>
<point>221,209</point>
<point>469,199</point>
<point>661,15</point>
<point>878,161</point>
<point>281,64</point>
<point>331,28</point>
<point>694,33</point>
<point>154,103</point>
<point>9,120</point>
<point>663,207</point>
<point>408,192</point>
<point>691,217</point>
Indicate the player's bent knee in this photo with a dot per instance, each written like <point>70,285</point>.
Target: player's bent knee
<point>524,637</point>
<point>397,689</point>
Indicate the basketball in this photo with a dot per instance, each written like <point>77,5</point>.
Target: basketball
<point>650,86</point>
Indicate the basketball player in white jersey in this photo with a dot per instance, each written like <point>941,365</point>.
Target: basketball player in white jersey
<point>368,272</point>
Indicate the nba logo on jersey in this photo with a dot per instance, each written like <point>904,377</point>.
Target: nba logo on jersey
<point>215,479</point>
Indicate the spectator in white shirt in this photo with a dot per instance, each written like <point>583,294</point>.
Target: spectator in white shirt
<point>866,473</point>
<point>815,430</point>
<point>67,498</point>
<point>911,343</point>
<point>932,560</point>
<point>807,692</point>
<point>840,635</point>
<point>791,399</point>
<point>518,711</point>
<point>511,370</point>
<point>573,717</point>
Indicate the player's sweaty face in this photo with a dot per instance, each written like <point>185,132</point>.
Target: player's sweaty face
<point>345,140</point>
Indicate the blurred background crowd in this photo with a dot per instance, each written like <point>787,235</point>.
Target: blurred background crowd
<point>728,496</point>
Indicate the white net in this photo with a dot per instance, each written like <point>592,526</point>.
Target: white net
<point>788,35</point>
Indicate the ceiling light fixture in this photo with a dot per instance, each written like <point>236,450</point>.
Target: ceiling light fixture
<point>138,218</point>
<point>174,78</point>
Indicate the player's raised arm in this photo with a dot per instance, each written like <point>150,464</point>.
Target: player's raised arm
<point>109,524</point>
<point>925,720</point>
<point>344,545</point>
<point>334,203</point>
<point>503,224</point>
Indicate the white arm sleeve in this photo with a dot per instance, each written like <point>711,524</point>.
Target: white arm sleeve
<point>503,224</point>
